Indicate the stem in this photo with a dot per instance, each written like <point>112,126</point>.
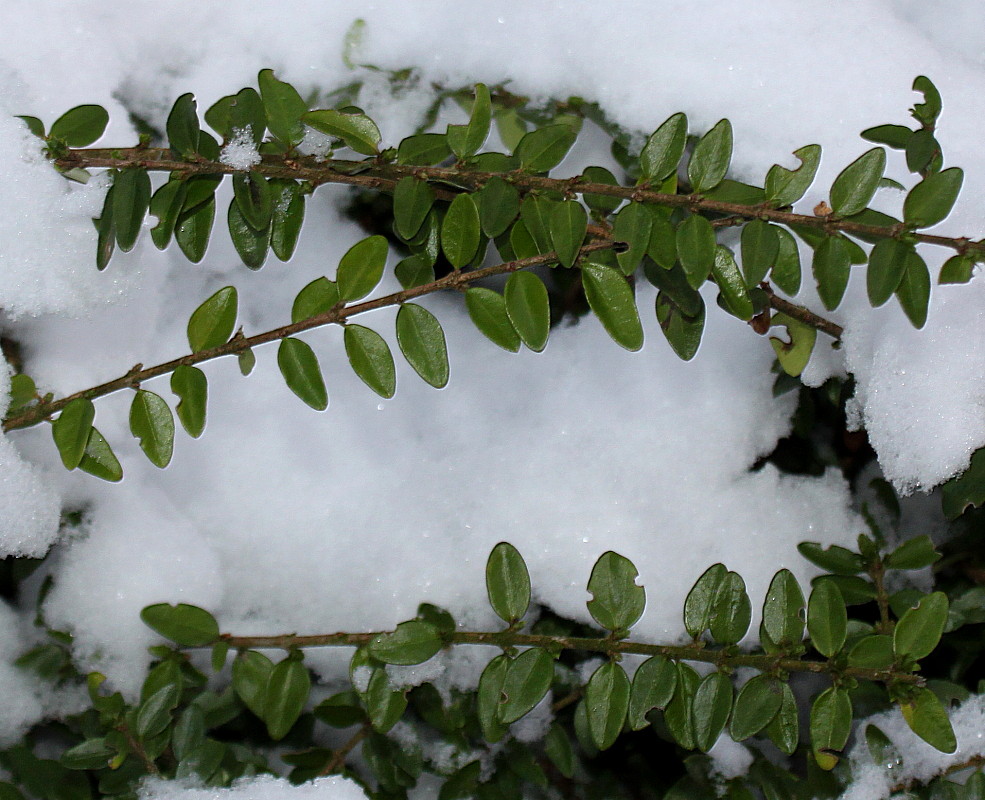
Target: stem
<point>972,761</point>
<point>877,571</point>
<point>337,762</point>
<point>610,647</point>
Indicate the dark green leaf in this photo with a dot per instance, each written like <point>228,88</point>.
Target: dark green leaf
<point>99,459</point>
<point>357,130</point>
<point>218,656</point>
<point>186,625</point>
<point>931,200</point>
<point>678,714</point>
<point>487,310</point>
<point>286,693</point>
<point>957,269</point>
<point>710,159</point>
<point>731,284</point>
<point>926,112</point>
<point>710,709</point>
<point>254,199</point>
<point>696,248</point>
<point>783,610</point>
<point>412,200</point>
<point>528,678</point>
<point>831,722</point>
<point>920,628</point>
<point>414,271</point>
<point>251,674</point>
<point>193,230</point>
<point>384,704</point>
<point>913,291</point>
<point>612,300</point>
<point>786,271</point>
<point>35,126</point>
<point>967,489</point>
<point>568,225</point>
<point>191,385</point>
<point>756,706</point>
<point>246,116</point>
<point>617,601</point>
<point>654,684</point>
<point>544,148</point>
<point>154,714</point>
<point>499,203</point>
<point>131,199</point>
<point>528,308</point>
<point>683,332</point>
<point>189,732</point>
<point>854,590</point>
<point>282,107</point>
<point>558,749</point>
<point>699,602</point>
<point>663,150</point>
<point>462,783</point>
<point>663,244</point>
<point>607,701</point>
<point>895,136</point>
<point>834,558</point>
<point>318,297</point>
<point>632,225</point>
<point>872,652</point>
<point>423,150</point>
<point>784,187</point>
<point>465,140</point>
<point>536,215</point>
<point>784,730</point>
<point>422,342</point>
<point>922,150</point>
<point>80,126</point>
<point>22,391</point>
<point>928,719</point>
<point>827,618</point>
<point>72,429</point>
<point>915,553</point>
<point>489,696</point>
<point>91,754</point>
<point>182,126</point>
<point>166,204</point>
<point>600,203</point>
<point>341,710</point>
<point>251,244</point>
<point>361,268</point>
<point>460,231</point>
<point>507,583</point>
<point>288,215</point>
<point>299,366</point>
<point>370,358</point>
<point>152,423</point>
<point>212,323</point>
<point>857,183</point>
<point>412,642</point>
<point>832,266</point>
<point>760,247</point>
<point>887,263</point>
<point>731,610</point>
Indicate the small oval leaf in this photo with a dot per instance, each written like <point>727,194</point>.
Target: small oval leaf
<point>299,366</point>
<point>191,386</point>
<point>370,358</point>
<point>854,187</point>
<point>212,323</point>
<point>607,701</point>
<point>151,422</point>
<point>183,624</point>
<point>507,583</point>
<point>72,429</point>
<point>528,678</point>
<point>422,342</point>
<point>617,601</point>
<point>612,300</point>
<point>361,268</point>
<point>528,307</point>
<point>413,642</point>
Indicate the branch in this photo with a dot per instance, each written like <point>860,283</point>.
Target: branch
<point>337,761</point>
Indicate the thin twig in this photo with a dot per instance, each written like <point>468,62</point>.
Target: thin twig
<point>337,761</point>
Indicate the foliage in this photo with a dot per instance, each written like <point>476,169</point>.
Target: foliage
<point>864,644</point>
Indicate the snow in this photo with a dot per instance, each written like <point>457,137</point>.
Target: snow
<point>260,787</point>
<point>279,519</point>
<point>240,152</point>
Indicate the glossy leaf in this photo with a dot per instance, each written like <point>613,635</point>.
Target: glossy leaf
<point>251,244</point>
<point>361,268</point>
<point>131,200</point>
<point>528,308</point>
<point>191,386</point>
<point>854,187</point>
<point>253,198</point>
<point>833,558</point>
<point>413,642</point>
<point>887,263</point>
<point>166,204</point>
<point>783,609</point>
<point>663,243</point>
<point>544,148</point>
<point>246,116</point>
<point>71,431</point>
<point>384,704</point>
<point>287,217</point>
<point>251,675</point>
<point>931,200</point>
<point>756,706</point>
<point>414,271</point>
<point>154,714</point>
<point>90,754</point>
<point>194,229</point>
<point>760,247</point>
<point>466,140</point>
<point>794,353</point>
<point>895,136</point>
<point>183,624</point>
<point>507,583</point>
<point>536,215</point>
<point>212,323</point>
<point>600,203</point>
<point>731,610</point>
<point>915,553</point>
<point>569,223</point>
<point>699,602</point>
<point>919,630</point>
<point>299,366</point>
<point>357,130</point>
<point>460,232</point>
<point>370,358</point>
<point>487,309</point>
<point>678,715</point>
<point>913,291</point>
<point>80,126</point>
<point>285,697</point>
<point>710,709</point>
<point>827,618</point>
<point>423,150</point>
<point>489,696</point>
<point>151,422</point>
<point>832,266</point>
<point>99,460</point>
<point>663,150</point>
<point>612,300</point>
<point>710,159</point>
<point>683,332</point>
<point>617,601</point>
<point>927,111</point>
<point>654,684</point>
<point>696,248</point>
<point>632,225</point>
<point>872,652</point>
<point>528,678</point>
<point>957,269</point>
<point>929,720</point>
<point>412,200</point>
<point>784,730</point>
<point>558,749</point>
<point>784,187</point>
<point>499,204</point>
<point>731,284</point>
<point>607,701</point>
<point>283,108</point>
<point>182,126</point>
<point>786,271</point>
<point>318,297</point>
<point>422,342</point>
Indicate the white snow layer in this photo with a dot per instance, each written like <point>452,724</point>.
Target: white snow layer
<point>260,787</point>
<point>280,519</point>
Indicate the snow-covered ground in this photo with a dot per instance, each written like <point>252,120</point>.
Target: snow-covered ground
<point>283,519</point>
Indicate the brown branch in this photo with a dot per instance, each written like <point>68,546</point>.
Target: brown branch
<point>337,761</point>
<point>802,314</point>
<point>973,761</point>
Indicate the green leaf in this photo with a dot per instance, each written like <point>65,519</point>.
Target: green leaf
<point>251,244</point>
<point>423,150</point>
<point>341,710</point>
<point>784,730</point>
<point>152,423</point>
<point>760,247</point>
<point>678,714</point>
<point>756,706</point>
<point>22,391</point>
<point>413,642</point>
<point>783,610</point>
<point>607,701</point>
<point>193,230</point>
<point>251,674</point>
<point>617,601</point>
<point>834,558</point>
<point>91,754</point>
<point>831,722</point>
<point>283,107</point>
<point>895,136</point>
<point>710,159</point>
<point>414,271</point>
<point>931,200</point>
<point>384,704</point>
<point>928,719</point>
<point>370,358</point>
<point>786,271</point>
<point>286,693</point>
<point>536,215</point>
<point>499,204</point>
<point>698,604</point>
<point>254,199</point>
<point>105,233</point>
<point>922,150</point>
<point>915,553</point>
<point>287,218</point>
<point>696,248</point>
<point>212,323</point>
<point>72,429</point>
<point>183,624</point>
<point>926,112</point>
<point>460,231</point>
<point>528,308</point>
<point>827,618</point>
<point>663,150</point>
<point>731,610</point>
<point>632,225</point>
<point>182,126</point>
<point>913,291</point>
<point>887,263</point>
<point>528,678</point>
<point>854,187</point>
<point>422,342</point>
<point>361,268</point>
<point>465,140</point>
<point>357,130</point>
<point>299,366</point>
<point>966,490</point>
<point>462,784</point>
<point>80,126</point>
<point>784,187</point>
<point>557,747</point>
<point>920,629</point>
<point>218,656</point>
<point>544,148</point>
<point>35,126</point>
<point>872,652</point>
<point>832,266</point>
<point>166,204</point>
<point>683,332</point>
<point>612,300</point>
<point>794,354</point>
<point>412,200</point>
<point>731,284</point>
<point>318,297</point>
<point>568,225</point>
<point>600,203</point>
<point>487,309</point>
<point>710,709</point>
<point>507,583</point>
<point>246,114</point>
<point>662,247</point>
<point>489,696</point>
<point>154,714</point>
<point>957,269</point>
<point>131,199</point>
<point>99,459</point>
<point>654,684</point>
<point>191,385</point>
<point>854,590</point>
<point>188,734</point>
